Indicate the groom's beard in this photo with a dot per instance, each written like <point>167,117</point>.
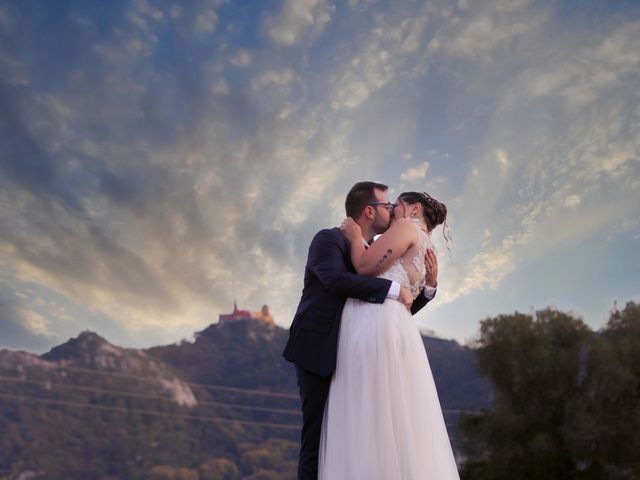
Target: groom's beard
<point>379,226</point>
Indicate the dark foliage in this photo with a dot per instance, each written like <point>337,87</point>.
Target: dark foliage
<point>567,402</point>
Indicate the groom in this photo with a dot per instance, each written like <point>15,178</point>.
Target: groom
<point>329,279</point>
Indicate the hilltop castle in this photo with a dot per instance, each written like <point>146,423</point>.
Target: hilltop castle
<point>262,315</point>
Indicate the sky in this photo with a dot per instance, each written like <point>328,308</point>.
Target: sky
<point>161,159</point>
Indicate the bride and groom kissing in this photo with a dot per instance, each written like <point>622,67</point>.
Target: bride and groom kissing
<point>369,403</point>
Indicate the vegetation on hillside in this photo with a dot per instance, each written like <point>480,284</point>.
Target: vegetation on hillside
<point>222,407</point>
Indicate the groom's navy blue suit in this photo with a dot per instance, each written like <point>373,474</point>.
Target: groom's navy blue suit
<point>329,279</point>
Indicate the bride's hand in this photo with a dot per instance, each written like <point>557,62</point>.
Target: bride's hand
<point>351,229</point>
<point>431,265</point>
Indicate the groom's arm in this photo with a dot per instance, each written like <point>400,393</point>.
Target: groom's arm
<point>326,261</point>
<point>426,295</point>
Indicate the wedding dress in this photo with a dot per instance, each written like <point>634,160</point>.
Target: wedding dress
<point>383,419</point>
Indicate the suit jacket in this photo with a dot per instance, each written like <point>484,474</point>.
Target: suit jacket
<point>329,279</point>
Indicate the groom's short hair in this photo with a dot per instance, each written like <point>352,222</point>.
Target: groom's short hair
<point>361,195</point>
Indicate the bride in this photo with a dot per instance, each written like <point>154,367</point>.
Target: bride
<point>383,418</point>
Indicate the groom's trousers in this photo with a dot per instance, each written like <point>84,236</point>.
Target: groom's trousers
<point>313,393</point>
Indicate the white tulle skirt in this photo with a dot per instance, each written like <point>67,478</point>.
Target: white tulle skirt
<point>383,419</point>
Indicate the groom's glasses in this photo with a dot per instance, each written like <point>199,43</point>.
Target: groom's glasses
<point>388,205</point>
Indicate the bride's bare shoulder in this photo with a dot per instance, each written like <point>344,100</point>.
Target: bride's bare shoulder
<point>402,225</point>
<point>401,230</point>
<point>402,222</point>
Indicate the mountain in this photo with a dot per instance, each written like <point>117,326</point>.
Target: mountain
<point>222,406</point>
<point>89,350</point>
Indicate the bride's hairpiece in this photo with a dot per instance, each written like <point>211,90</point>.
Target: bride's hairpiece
<point>428,197</point>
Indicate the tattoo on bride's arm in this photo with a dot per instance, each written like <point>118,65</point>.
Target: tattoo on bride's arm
<point>386,255</point>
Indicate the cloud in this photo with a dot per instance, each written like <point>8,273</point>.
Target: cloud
<point>144,211</point>
<point>143,14</point>
<point>413,174</point>
<point>558,127</point>
<point>485,271</point>
<point>57,169</point>
<point>503,160</point>
<point>220,87</point>
<point>206,21</point>
<point>572,200</point>
<point>241,59</point>
<point>594,69</point>
<point>273,78</point>
<point>299,19</point>
<point>388,47</point>
<point>20,328</point>
<point>5,18</point>
<point>483,29</point>
<point>145,188</point>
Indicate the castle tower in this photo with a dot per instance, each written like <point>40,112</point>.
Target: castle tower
<point>264,315</point>
<point>237,314</point>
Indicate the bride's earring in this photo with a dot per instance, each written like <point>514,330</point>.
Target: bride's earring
<point>414,214</point>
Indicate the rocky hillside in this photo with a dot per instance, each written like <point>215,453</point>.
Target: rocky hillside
<point>223,406</point>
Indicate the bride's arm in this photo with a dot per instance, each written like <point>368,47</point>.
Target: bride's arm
<point>389,246</point>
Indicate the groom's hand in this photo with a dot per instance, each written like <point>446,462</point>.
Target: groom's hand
<point>405,297</point>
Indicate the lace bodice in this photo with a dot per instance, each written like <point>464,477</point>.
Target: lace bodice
<point>409,270</point>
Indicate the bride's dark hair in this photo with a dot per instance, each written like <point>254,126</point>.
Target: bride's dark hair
<point>433,211</point>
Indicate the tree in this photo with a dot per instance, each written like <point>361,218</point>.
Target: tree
<point>605,429</point>
<point>567,402</point>
<point>536,367</point>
